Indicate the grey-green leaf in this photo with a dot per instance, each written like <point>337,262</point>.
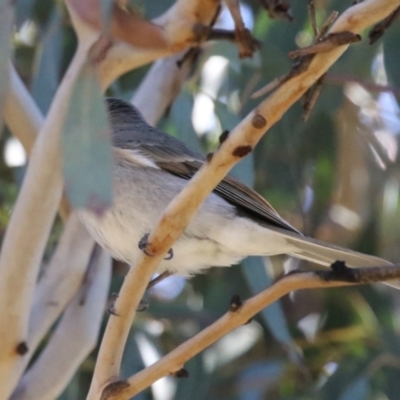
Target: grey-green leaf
<point>358,389</point>
<point>86,146</point>
<point>48,65</point>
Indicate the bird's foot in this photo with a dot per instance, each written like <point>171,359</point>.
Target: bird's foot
<point>143,244</point>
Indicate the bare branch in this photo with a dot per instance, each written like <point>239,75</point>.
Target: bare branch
<point>61,281</point>
<point>178,25</point>
<point>167,89</point>
<point>244,39</point>
<point>240,315</point>
<point>73,340</point>
<point>327,43</point>
<point>30,225</point>
<point>21,113</point>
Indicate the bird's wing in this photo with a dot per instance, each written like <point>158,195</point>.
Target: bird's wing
<point>131,132</point>
<point>234,192</point>
<point>185,163</point>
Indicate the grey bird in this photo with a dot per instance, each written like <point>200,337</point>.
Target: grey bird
<point>150,168</point>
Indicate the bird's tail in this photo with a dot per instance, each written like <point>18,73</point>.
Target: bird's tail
<point>323,253</point>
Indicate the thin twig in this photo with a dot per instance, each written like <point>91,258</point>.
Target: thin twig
<point>311,16</point>
<point>244,39</point>
<point>312,97</point>
<point>328,43</point>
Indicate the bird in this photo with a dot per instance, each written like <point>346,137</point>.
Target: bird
<point>151,167</point>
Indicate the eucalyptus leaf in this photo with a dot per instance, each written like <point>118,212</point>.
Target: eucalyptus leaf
<point>46,79</point>
<point>86,146</point>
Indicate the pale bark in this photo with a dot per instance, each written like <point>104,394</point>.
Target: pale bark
<point>73,340</point>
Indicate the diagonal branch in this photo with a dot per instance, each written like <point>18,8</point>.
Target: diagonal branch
<point>21,113</point>
<point>240,313</point>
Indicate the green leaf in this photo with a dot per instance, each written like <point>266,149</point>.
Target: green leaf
<point>86,146</point>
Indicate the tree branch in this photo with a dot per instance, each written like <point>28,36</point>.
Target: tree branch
<point>62,279</point>
<point>74,338</point>
<point>29,226</point>
<point>296,280</point>
<point>167,89</point>
<point>21,114</point>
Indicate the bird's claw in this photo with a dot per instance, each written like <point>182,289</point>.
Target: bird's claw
<point>143,243</point>
<point>170,255</point>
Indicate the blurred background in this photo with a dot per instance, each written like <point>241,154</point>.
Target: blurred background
<point>335,177</point>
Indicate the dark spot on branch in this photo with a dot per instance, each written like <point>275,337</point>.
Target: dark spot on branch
<point>379,29</point>
<point>341,272</point>
<point>242,151</point>
<point>181,373</point>
<point>258,121</point>
<point>22,348</point>
<point>236,303</point>
<point>113,389</point>
<point>209,157</point>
